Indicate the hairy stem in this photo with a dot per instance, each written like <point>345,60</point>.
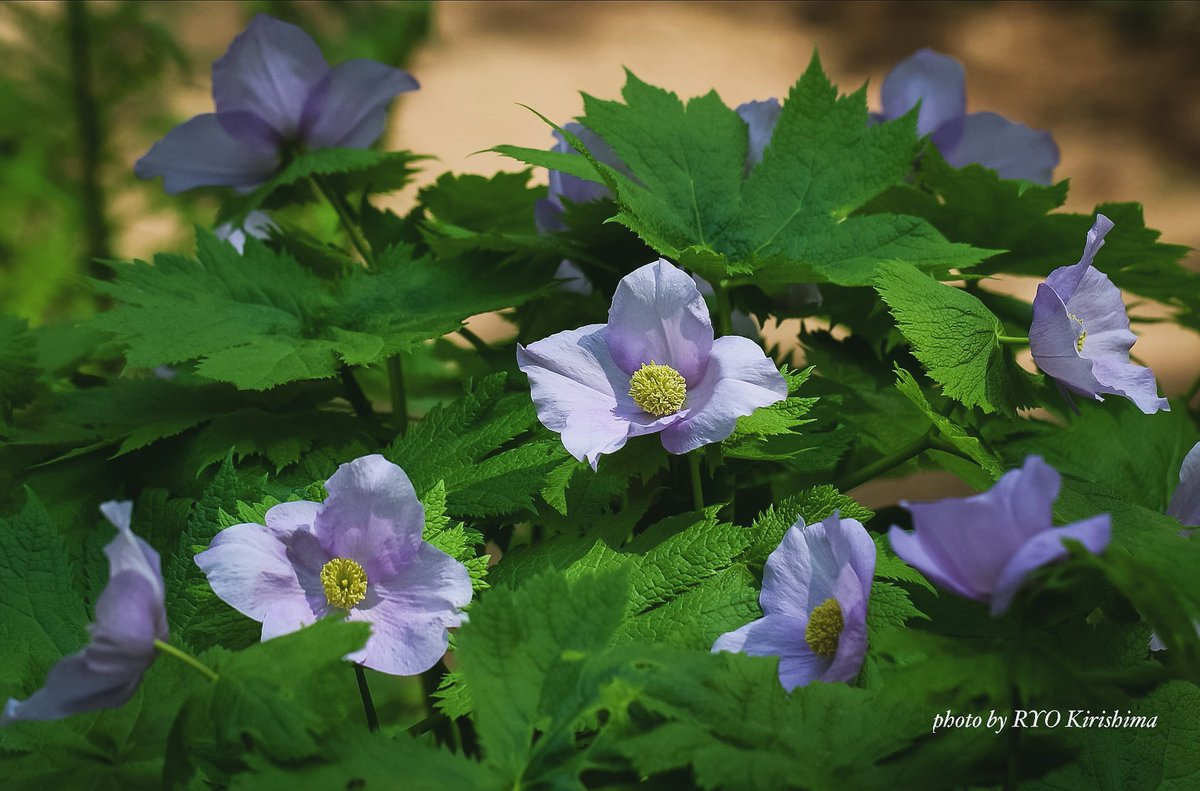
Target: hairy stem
<point>364,692</point>
<point>343,212</point>
<point>697,487</point>
<point>186,658</point>
<point>1012,340</point>
<point>874,470</point>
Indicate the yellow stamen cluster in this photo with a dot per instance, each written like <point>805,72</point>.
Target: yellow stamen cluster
<point>345,582</point>
<point>658,389</point>
<point>825,626</point>
<point>1082,332</point>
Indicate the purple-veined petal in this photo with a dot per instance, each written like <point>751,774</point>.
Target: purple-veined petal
<point>200,153</point>
<point>269,70</point>
<point>1047,547</point>
<point>411,612</point>
<point>348,107</point>
<point>255,572</point>
<point>760,118</point>
<point>934,79</point>
<point>1013,150</point>
<point>285,519</point>
<point>658,315</point>
<point>1185,501</point>
<point>1053,336</point>
<point>738,379</point>
<point>372,516</point>
<point>909,548</point>
<point>579,391</point>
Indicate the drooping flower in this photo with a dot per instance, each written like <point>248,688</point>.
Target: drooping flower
<point>938,81</point>
<point>653,368</point>
<point>983,547</point>
<point>130,616</point>
<point>815,591</point>
<point>258,224</point>
<point>274,93</point>
<point>1080,333</point>
<point>359,553</point>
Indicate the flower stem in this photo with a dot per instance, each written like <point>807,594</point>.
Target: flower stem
<point>364,692</point>
<point>874,470</point>
<point>697,488</point>
<point>355,394</point>
<point>399,396</point>
<point>479,343</point>
<point>1012,340</point>
<point>724,316</point>
<point>343,212</point>
<point>186,658</point>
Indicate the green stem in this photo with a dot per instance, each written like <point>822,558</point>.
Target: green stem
<point>1012,340</point>
<point>697,487</point>
<point>91,141</point>
<point>399,396</point>
<point>355,394</point>
<point>364,692</point>
<point>874,470</point>
<point>343,213</point>
<point>479,343</point>
<point>186,658</point>
<point>724,316</point>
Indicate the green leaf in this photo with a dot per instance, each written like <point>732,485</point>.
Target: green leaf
<point>465,444</point>
<point>950,431</point>
<point>771,432</point>
<point>344,170</point>
<point>955,337</point>
<point>18,368</point>
<point>698,615</point>
<point>456,540</point>
<point>812,506</point>
<point>471,212</point>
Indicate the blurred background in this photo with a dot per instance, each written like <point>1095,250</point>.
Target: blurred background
<point>88,86</point>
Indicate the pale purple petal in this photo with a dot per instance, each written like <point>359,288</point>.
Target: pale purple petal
<point>1185,501</point>
<point>1065,279</point>
<point>936,80</point>
<point>802,572</point>
<point>285,519</point>
<point>912,551</point>
<point>141,619</point>
<point>1044,548</point>
<point>262,576</point>
<point>760,118</point>
<point>372,516</point>
<point>411,612</point>
<point>781,636</point>
<point>576,388</point>
<point>1053,336</point>
<point>200,153</point>
<point>348,107</point>
<point>258,224</point>
<point>738,378</point>
<point>1013,150</point>
<point>658,315</point>
<point>269,70</point>
<point>852,599</point>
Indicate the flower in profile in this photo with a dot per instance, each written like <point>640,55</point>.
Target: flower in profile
<point>130,617</point>
<point>815,590</point>
<point>938,81</point>
<point>1080,333</point>
<point>258,224</point>
<point>1185,501</point>
<point>984,546</point>
<point>274,94</point>
<point>653,368</point>
<point>359,553</point>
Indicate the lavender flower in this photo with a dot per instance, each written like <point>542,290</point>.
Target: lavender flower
<point>760,118</point>
<point>1185,501</point>
<point>274,94</point>
<point>816,586</point>
<point>1013,150</point>
<point>654,368</point>
<point>984,546</point>
<point>359,553</point>
<point>1080,333</point>
<point>129,618</point>
<point>258,224</point>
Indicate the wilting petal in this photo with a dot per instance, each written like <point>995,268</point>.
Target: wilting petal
<point>200,153</point>
<point>372,516</point>
<point>760,118</point>
<point>348,107</point>
<point>269,70</point>
<point>1013,150</point>
<point>658,315</point>
<point>577,389</point>
<point>738,379</point>
<point>260,576</point>
<point>1185,502</point>
<point>936,80</point>
<point>411,612</point>
<point>1047,547</point>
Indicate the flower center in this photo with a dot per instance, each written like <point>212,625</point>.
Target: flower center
<point>825,626</point>
<point>345,582</point>
<point>658,389</point>
<point>1082,332</point>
